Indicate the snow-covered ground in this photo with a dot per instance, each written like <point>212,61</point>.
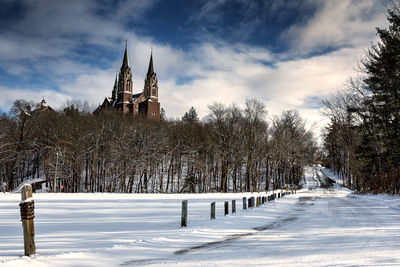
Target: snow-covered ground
<point>379,199</point>
<point>333,175</point>
<point>316,227</point>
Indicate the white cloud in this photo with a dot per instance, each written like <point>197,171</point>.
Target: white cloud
<point>93,87</point>
<point>53,98</point>
<point>220,74</point>
<point>336,24</point>
<point>211,71</point>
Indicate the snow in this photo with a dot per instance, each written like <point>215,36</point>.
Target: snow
<point>315,227</point>
<point>380,199</point>
<point>333,175</point>
<point>27,200</point>
<point>30,181</point>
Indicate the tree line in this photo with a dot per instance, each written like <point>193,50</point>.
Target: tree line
<point>362,140</point>
<point>230,150</point>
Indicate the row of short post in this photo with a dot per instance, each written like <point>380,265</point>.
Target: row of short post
<point>247,204</point>
<point>27,207</point>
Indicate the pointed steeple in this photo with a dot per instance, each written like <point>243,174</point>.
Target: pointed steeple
<point>114,95</point>
<point>125,62</point>
<point>150,83</point>
<point>151,67</point>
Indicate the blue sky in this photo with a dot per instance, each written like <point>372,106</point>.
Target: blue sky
<point>287,53</point>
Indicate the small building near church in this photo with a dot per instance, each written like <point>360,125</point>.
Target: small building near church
<point>43,108</point>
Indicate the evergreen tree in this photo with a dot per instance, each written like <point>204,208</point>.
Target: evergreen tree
<point>190,116</point>
<point>379,150</point>
<point>163,117</point>
<point>363,138</point>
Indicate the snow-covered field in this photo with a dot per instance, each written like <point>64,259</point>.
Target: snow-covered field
<point>316,227</point>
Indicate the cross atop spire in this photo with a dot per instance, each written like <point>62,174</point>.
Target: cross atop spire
<point>125,62</point>
<point>151,67</point>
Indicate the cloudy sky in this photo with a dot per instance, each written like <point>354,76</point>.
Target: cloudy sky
<point>288,53</point>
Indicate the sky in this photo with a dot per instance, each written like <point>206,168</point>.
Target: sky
<point>289,54</point>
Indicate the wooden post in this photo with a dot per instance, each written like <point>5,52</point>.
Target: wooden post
<point>226,210</point>
<point>244,203</point>
<point>251,202</point>
<point>233,206</point>
<point>27,209</point>
<point>257,201</point>
<point>212,216</point>
<point>184,213</point>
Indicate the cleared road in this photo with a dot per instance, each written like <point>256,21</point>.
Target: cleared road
<point>323,228</point>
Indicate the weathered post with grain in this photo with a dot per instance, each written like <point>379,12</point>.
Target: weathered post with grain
<point>27,209</point>
<point>212,215</point>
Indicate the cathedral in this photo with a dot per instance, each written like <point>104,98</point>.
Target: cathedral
<point>122,97</point>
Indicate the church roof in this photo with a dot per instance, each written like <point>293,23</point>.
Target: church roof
<point>136,95</point>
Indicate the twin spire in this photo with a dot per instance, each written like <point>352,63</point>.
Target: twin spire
<point>125,61</point>
<point>125,65</point>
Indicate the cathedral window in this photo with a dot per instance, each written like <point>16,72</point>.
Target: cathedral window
<point>128,85</point>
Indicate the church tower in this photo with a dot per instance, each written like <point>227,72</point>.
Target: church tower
<point>151,83</point>
<point>151,107</point>
<point>125,86</point>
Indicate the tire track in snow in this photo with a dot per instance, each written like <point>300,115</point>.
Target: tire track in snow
<point>232,238</point>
